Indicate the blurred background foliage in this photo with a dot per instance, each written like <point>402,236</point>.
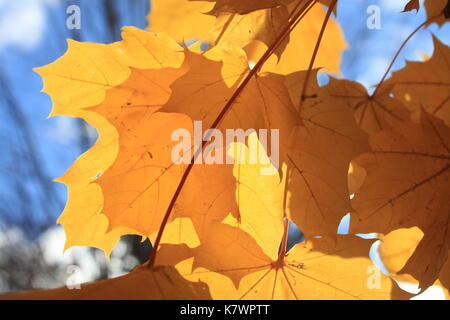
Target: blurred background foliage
<point>35,150</point>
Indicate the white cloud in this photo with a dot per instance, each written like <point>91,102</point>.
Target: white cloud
<point>432,293</point>
<point>87,264</point>
<point>22,22</point>
<point>65,130</point>
<point>52,244</point>
<point>395,6</point>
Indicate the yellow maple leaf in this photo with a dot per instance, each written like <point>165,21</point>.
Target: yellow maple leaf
<point>297,54</point>
<point>426,84</point>
<point>182,19</point>
<point>407,185</point>
<point>319,157</point>
<point>398,246</point>
<point>262,24</point>
<point>75,85</point>
<point>240,258</point>
<point>158,283</point>
<point>372,112</point>
<point>213,77</point>
<point>243,7</point>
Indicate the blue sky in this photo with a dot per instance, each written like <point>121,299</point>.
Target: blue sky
<point>33,33</point>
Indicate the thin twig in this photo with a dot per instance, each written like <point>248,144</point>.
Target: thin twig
<point>399,50</point>
<point>316,50</point>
